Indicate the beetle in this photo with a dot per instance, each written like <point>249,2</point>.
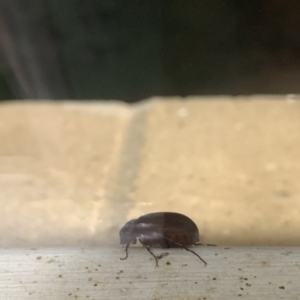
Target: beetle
<point>161,230</point>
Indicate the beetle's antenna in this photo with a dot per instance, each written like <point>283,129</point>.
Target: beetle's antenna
<point>126,252</point>
<point>187,249</point>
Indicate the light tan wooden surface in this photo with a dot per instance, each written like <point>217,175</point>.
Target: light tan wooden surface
<point>98,273</point>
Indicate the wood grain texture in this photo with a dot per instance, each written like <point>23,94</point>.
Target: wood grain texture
<point>98,273</point>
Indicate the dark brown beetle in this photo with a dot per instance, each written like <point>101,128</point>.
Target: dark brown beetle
<point>160,230</point>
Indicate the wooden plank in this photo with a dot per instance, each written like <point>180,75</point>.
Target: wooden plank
<point>98,273</point>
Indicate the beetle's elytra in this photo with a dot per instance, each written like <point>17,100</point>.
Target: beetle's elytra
<point>161,230</point>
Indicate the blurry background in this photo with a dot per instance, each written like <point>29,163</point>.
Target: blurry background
<point>130,50</point>
<point>72,173</point>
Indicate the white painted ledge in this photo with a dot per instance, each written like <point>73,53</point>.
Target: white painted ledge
<point>98,273</point>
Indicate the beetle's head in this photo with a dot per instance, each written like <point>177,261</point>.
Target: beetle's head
<point>127,233</point>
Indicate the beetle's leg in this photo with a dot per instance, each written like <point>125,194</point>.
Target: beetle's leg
<point>160,256</point>
<point>167,243</point>
<point>200,244</point>
<point>126,252</point>
<point>187,249</point>
<point>148,249</point>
